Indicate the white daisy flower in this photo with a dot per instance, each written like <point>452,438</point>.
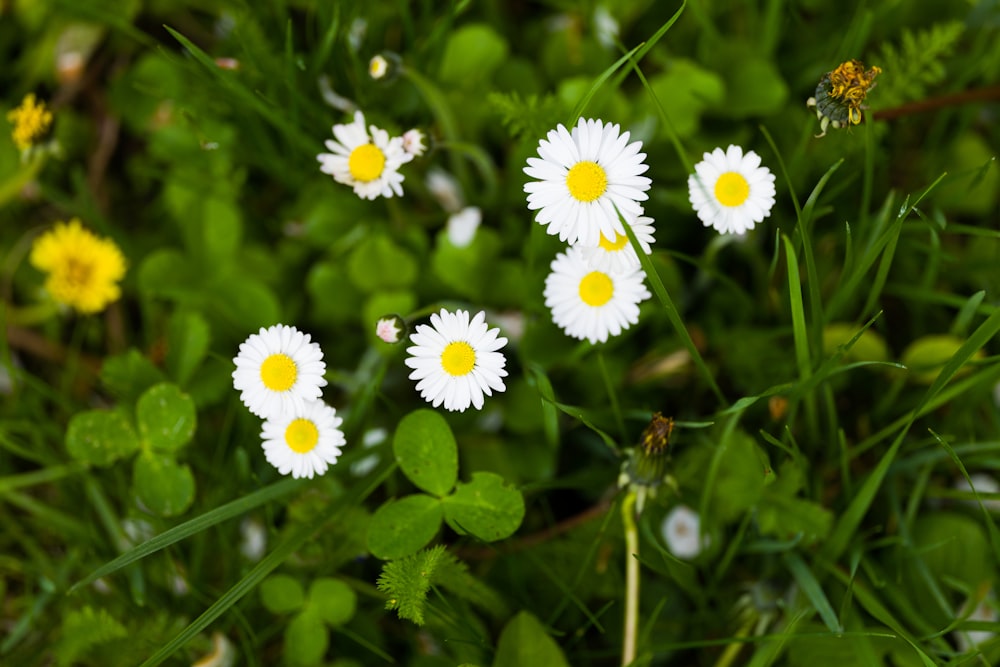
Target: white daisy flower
<point>413,142</point>
<point>370,164</point>
<point>681,530</point>
<point>462,226</point>
<point>618,255</point>
<point>582,176</point>
<point>592,304</point>
<point>457,361</point>
<point>278,369</point>
<point>304,440</point>
<point>731,191</point>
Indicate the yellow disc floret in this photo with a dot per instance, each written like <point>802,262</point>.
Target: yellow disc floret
<point>302,436</point>
<point>278,372</point>
<point>458,359</point>
<point>83,269</point>
<point>586,181</point>
<point>596,289</point>
<point>612,246</point>
<point>31,122</point>
<point>732,189</point>
<point>366,162</point>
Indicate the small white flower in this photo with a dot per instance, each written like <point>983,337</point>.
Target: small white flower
<point>377,67</point>
<point>456,361</point>
<point>370,164</point>
<point>304,440</point>
<point>731,191</point>
<point>681,530</point>
<point>278,369</point>
<point>592,304</point>
<point>462,226</point>
<point>390,328</point>
<point>445,189</point>
<point>413,142</point>
<point>618,255</point>
<point>582,177</point>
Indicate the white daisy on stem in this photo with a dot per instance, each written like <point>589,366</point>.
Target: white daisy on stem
<point>615,254</point>
<point>731,191</point>
<point>582,176</point>
<point>277,370</point>
<point>456,361</point>
<point>303,441</point>
<point>590,304</point>
<point>682,532</point>
<point>368,163</point>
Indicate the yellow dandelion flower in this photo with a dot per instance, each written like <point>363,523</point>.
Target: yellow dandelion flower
<point>31,122</point>
<point>841,93</point>
<point>83,269</point>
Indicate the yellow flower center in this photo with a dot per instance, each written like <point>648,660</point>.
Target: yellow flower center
<point>278,372</point>
<point>612,246</point>
<point>366,162</point>
<point>586,181</point>
<point>301,436</point>
<point>596,289</point>
<point>458,358</point>
<point>732,189</point>
<point>31,122</point>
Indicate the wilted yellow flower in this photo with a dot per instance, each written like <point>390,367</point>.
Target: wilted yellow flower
<point>31,122</point>
<point>83,269</point>
<point>841,94</point>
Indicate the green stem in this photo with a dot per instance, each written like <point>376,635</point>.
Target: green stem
<point>612,397</point>
<point>631,629</point>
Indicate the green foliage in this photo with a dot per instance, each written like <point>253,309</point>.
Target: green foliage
<point>524,641</point>
<point>528,116</point>
<point>407,581</point>
<point>84,629</point>
<point>426,451</point>
<point>486,507</point>
<point>917,64</point>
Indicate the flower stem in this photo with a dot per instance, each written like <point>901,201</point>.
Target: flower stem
<point>631,631</point>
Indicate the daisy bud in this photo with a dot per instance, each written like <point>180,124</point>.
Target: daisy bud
<point>413,142</point>
<point>390,328</point>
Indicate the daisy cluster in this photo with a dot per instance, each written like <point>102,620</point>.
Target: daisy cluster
<point>279,374</point>
<point>588,185</point>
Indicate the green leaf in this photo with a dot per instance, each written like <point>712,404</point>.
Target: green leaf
<point>83,629</point>
<point>471,54</point>
<point>167,272</point>
<point>685,90</point>
<point>461,269</point>
<point>402,527</point>
<point>100,437</point>
<point>925,356</point>
<point>188,336</point>
<point>524,641</point>
<point>486,507</point>
<point>326,279</point>
<point>163,485</point>
<point>333,600</point>
<point>282,593</point>
<point>407,581</point>
<point>222,229</point>
<point>128,374</point>
<point>306,640</point>
<point>166,417</point>
<point>781,514</point>
<point>377,263</point>
<point>426,451</point>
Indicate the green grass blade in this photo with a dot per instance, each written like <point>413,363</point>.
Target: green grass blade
<point>266,566</point>
<point>605,75</point>
<point>811,587</point>
<point>850,520</point>
<point>672,314</point>
<point>188,528</point>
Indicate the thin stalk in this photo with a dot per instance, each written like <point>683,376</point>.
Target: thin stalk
<point>631,632</point>
<point>733,650</point>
